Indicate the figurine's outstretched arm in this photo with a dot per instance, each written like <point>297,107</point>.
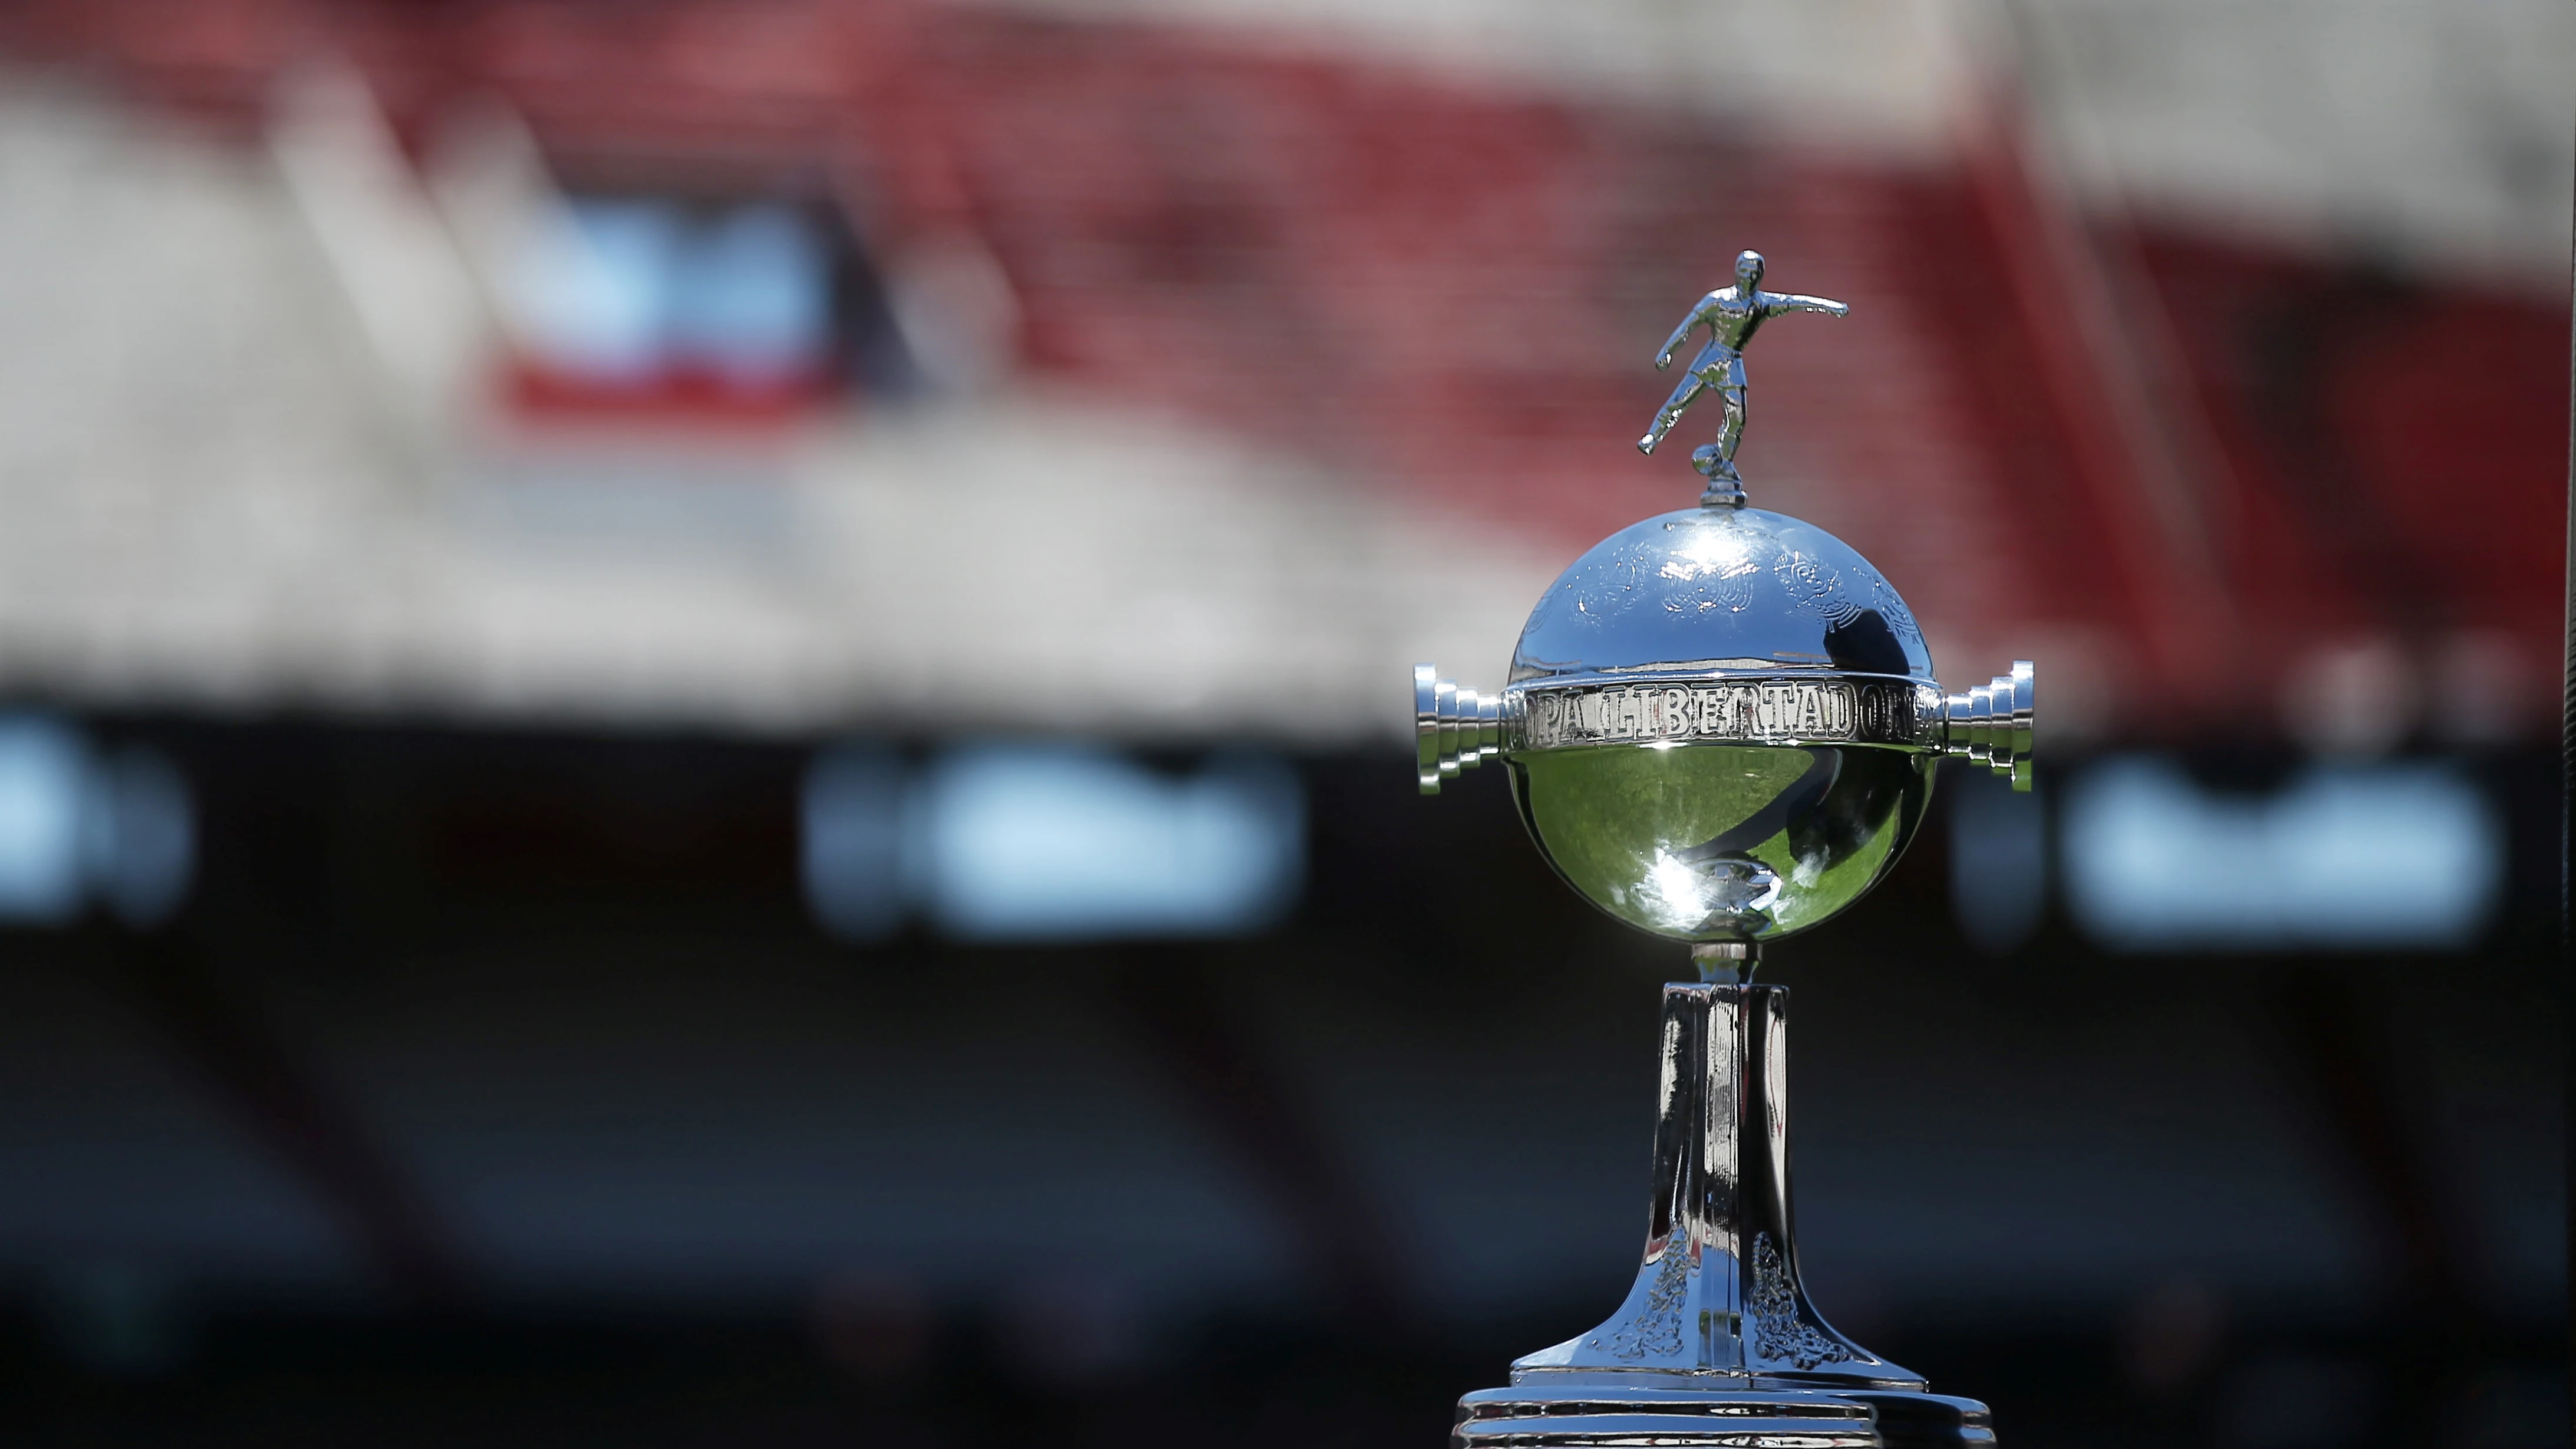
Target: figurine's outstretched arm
<point>1779,302</point>
<point>1682,333</point>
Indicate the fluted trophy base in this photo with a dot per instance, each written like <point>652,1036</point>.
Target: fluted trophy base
<point>1716,1343</point>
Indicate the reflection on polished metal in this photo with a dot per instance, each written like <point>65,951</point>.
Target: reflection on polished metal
<point>1720,726</point>
<point>1794,675</point>
<point>1721,723</point>
<point>1455,729</point>
<point>1992,723</point>
<point>1732,315</point>
<point>1716,1339</point>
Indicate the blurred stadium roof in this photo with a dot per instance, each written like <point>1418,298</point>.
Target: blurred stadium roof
<point>1247,357</point>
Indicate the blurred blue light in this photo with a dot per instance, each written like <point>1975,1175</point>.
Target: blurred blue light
<point>1064,843</point>
<point>2369,856</point>
<point>74,825</point>
<point>852,858</point>
<point>143,835</point>
<point>752,299</point>
<point>597,304</point>
<point>635,287</point>
<point>1048,843</point>
<point>44,790</point>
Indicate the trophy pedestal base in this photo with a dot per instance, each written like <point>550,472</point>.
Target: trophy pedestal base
<point>1560,1415</point>
<point>1716,1342</point>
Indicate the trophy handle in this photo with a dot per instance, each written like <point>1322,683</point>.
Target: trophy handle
<point>1992,723</point>
<point>1453,729</point>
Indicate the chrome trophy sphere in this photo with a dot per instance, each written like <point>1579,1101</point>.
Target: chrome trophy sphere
<point>1721,724</point>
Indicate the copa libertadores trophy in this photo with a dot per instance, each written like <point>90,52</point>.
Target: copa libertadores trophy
<point>1721,726</point>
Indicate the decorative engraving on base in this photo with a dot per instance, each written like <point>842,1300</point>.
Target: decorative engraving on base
<point>1657,1332</point>
<point>1778,1332</point>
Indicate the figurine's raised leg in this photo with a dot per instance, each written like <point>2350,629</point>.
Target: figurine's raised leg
<point>1671,412</point>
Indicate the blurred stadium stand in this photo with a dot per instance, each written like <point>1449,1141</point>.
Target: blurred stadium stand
<point>1327,325</point>
<point>525,511</point>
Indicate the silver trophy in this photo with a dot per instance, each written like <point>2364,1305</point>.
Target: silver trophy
<point>1720,726</point>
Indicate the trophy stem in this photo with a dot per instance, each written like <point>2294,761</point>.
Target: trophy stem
<point>1718,1294</point>
<point>1717,1346</point>
<point>1726,963</point>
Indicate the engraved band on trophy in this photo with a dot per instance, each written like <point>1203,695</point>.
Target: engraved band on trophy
<point>1720,726</point>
